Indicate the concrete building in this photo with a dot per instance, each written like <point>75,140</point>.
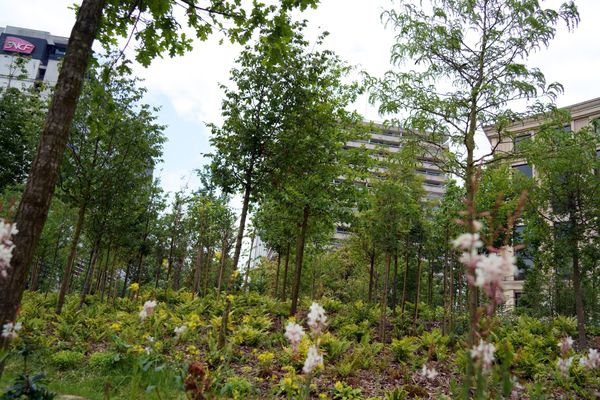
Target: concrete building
<point>582,115</point>
<point>29,56</point>
<point>384,139</point>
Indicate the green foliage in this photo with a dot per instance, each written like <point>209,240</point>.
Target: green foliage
<point>104,360</point>
<point>28,387</point>
<point>66,359</point>
<point>404,349</point>
<point>236,388</point>
<point>343,391</point>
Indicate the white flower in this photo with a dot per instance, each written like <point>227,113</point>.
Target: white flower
<point>484,352</point>
<point>316,319</point>
<point>180,330</point>
<point>294,333</point>
<point>428,373</point>
<point>313,360</point>
<point>6,246</point>
<point>592,360</point>
<point>564,364</point>
<point>150,339</point>
<point>470,259</point>
<point>477,226</point>
<point>148,309</point>
<point>468,241</point>
<point>491,269</point>
<point>565,345</point>
<point>10,330</point>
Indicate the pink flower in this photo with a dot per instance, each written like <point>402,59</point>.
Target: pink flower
<point>428,373</point>
<point>592,360</point>
<point>316,319</point>
<point>7,230</point>
<point>565,345</point>
<point>484,353</point>
<point>294,333</point>
<point>148,309</point>
<point>467,241</point>
<point>313,360</point>
<point>563,365</point>
<point>11,330</point>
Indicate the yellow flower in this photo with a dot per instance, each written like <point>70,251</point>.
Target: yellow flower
<point>338,385</point>
<point>322,395</point>
<point>230,298</point>
<point>192,350</point>
<point>137,349</point>
<point>116,327</point>
<point>134,287</point>
<point>235,274</point>
<point>158,345</point>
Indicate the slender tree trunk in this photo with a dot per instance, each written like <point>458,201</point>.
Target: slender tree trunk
<point>430,283</point>
<point>66,280</point>
<point>395,284</point>
<point>371,276</point>
<point>35,201</point>
<point>224,250</point>
<point>579,311</point>
<point>198,268</point>
<point>249,262</point>
<point>105,272</point>
<point>299,257</point>
<point>127,271</point>
<point>404,281</point>
<point>240,234</point>
<point>285,274</point>
<point>445,294</point>
<point>90,272</point>
<point>158,270</point>
<point>384,296</point>
<point>207,266</point>
<point>177,273</point>
<point>419,272</point>
<point>277,275</point>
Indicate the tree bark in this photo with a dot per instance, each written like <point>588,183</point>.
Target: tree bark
<point>240,234</point>
<point>371,277</point>
<point>285,274</point>
<point>404,283</point>
<point>395,284</point>
<point>249,262</point>
<point>198,268</point>
<point>299,256</point>
<point>384,296</point>
<point>90,273</point>
<point>35,201</point>
<point>277,274</point>
<point>66,280</point>
<point>419,272</point>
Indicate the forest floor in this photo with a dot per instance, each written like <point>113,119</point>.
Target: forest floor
<point>106,351</point>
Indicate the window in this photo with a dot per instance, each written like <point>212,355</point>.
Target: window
<point>519,140</point>
<point>566,128</point>
<point>518,299</point>
<point>525,169</point>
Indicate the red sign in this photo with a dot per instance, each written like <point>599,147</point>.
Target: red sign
<point>17,45</point>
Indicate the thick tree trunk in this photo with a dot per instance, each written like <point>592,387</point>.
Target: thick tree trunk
<point>240,234</point>
<point>384,296</point>
<point>299,257</point>
<point>371,277</point>
<point>35,201</point>
<point>285,274</point>
<point>66,280</point>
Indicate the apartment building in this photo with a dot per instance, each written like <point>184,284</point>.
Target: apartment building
<point>28,56</point>
<point>582,115</point>
<point>383,139</point>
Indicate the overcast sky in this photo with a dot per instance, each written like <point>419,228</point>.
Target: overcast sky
<point>187,89</point>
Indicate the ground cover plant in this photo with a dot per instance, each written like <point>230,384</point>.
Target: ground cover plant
<point>164,345</point>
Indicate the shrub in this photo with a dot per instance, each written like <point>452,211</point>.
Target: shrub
<point>236,388</point>
<point>104,360</point>
<point>66,359</point>
<point>405,348</point>
<point>343,391</point>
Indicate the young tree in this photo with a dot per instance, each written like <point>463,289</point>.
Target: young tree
<point>477,48</point>
<point>158,33</point>
<point>566,195</point>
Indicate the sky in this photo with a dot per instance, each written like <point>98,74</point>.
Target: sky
<point>187,88</point>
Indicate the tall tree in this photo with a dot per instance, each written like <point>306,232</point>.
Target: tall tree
<point>470,58</point>
<point>566,195</point>
<point>158,33</point>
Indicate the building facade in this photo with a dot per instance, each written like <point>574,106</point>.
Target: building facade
<point>382,140</point>
<point>29,56</point>
<point>582,114</point>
